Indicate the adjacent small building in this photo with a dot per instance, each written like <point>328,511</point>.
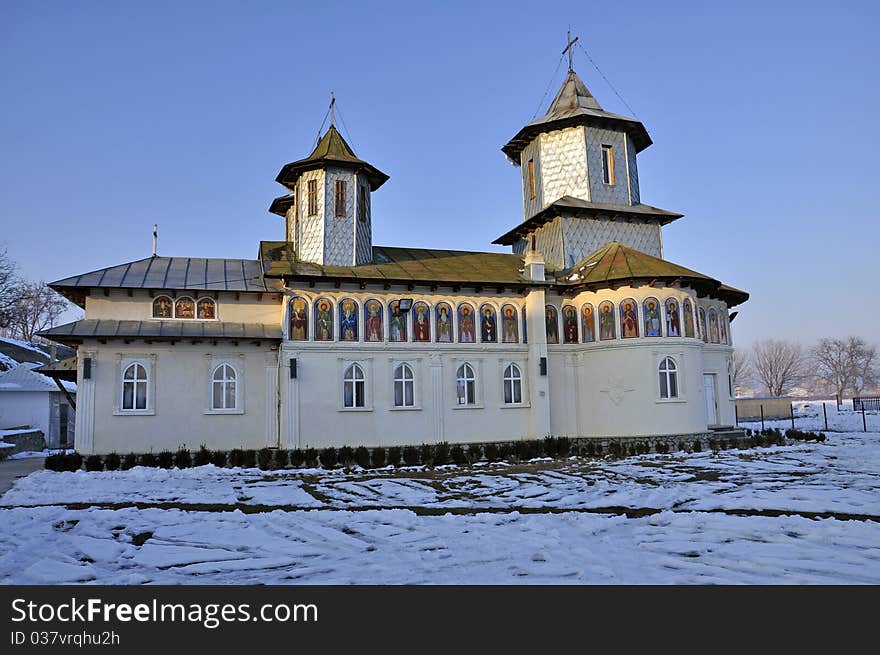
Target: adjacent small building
<point>584,329</point>
<point>30,399</point>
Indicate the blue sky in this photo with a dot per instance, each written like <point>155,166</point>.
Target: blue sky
<point>763,115</point>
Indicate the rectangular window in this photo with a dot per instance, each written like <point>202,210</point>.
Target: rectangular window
<point>340,198</point>
<point>313,197</point>
<point>362,205</point>
<point>608,164</point>
<point>532,179</point>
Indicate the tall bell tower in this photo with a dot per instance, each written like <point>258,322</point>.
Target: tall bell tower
<point>327,209</point>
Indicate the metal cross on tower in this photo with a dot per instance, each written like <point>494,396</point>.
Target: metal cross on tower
<point>570,50</point>
<point>332,109</point>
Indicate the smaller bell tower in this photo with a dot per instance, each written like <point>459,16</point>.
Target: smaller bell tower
<point>327,212</point>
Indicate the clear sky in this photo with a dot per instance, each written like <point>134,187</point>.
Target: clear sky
<point>763,115</point>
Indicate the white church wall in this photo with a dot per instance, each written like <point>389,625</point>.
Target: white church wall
<point>246,308</point>
<point>31,408</point>
<point>179,410</point>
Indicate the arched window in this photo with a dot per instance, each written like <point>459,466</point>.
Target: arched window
<point>512,380</point>
<point>466,385</point>
<point>223,388</point>
<point>185,307</point>
<point>404,386</point>
<point>668,378</point>
<point>299,320</point>
<point>354,387</point>
<point>134,387</point>
<point>162,307</point>
<point>206,309</point>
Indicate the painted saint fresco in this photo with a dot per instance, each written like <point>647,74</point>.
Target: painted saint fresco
<point>185,308</point>
<point>373,321</point>
<point>421,322</point>
<point>467,329</point>
<point>607,329</point>
<point>348,320</point>
<point>588,322</point>
<point>551,318</point>
<point>703,331</point>
<point>162,307</point>
<point>444,322</point>
<point>629,319</point>
<point>488,324</point>
<point>509,330</point>
<point>673,320</point>
<point>207,309</point>
<point>299,319</point>
<point>689,328</point>
<point>396,322</point>
<point>714,337</point>
<point>651,310</point>
<point>722,324</point>
<point>569,324</point>
<point>323,320</point>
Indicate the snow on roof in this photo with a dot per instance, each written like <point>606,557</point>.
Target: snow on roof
<point>23,344</point>
<point>22,378</point>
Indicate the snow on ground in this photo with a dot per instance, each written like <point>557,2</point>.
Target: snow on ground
<point>806,513</point>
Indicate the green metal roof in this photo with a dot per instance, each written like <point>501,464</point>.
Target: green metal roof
<point>331,150</point>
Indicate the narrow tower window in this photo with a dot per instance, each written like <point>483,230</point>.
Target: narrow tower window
<point>313,197</point>
<point>607,164</point>
<point>340,198</point>
<point>362,205</point>
<point>532,179</point>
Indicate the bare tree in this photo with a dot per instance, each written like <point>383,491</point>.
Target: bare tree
<point>862,360</point>
<point>831,364</point>
<point>9,288</point>
<point>742,369</point>
<point>36,308</point>
<point>779,364</point>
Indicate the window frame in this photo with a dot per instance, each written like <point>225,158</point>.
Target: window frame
<point>461,375</point>
<point>312,193</point>
<point>608,176</point>
<point>362,203</point>
<point>224,383</point>
<point>354,381</point>
<point>235,361</point>
<point>398,377</point>
<point>665,375</point>
<point>340,193</point>
<point>512,380</point>
<point>123,363</point>
<point>531,177</point>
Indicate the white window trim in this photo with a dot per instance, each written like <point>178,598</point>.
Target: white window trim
<point>477,367</point>
<point>524,385</point>
<point>415,367</point>
<point>366,365</point>
<point>678,360</point>
<point>236,361</point>
<point>148,361</point>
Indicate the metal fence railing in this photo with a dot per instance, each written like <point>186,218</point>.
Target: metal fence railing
<point>867,403</point>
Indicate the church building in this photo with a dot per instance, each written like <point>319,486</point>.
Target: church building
<point>326,339</point>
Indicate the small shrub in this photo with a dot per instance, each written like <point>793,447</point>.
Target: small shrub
<point>129,462</point>
<point>563,446</point>
<point>662,447</point>
<point>441,454</point>
<point>634,449</point>
<point>598,449</point>
<point>346,456</point>
<point>112,462</point>
<point>265,457</point>
<point>72,462</point>
<point>474,453</point>
<point>182,458</point>
<point>614,449</point>
<point>249,459</point>
<point>506,451</point>
<point>492,452</point>
<point>236,457</point>
<point>279,461</point>
<point>297,458</point>
<point>713,445</point>
<point>148,459</point>
<point>202,456</point>
<point>166,459</point>
<point>820,437</point>
<point>219,458</point>
<point>410,456</point>
<point>394,455</point>
<point>329,457</point>
<point>456,453</point>
<point>54,462</point>
<point>377,457</point>
<point>698,447</point>
<point>682,445</point>
<point>94,463</point>
<point>311,458</point>
<point>551,446</point>
<point>590,449</point>
<point>426,454</point>
<point>362,457</point>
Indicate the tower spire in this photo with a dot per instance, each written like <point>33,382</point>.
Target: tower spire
<point>570,50</point>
